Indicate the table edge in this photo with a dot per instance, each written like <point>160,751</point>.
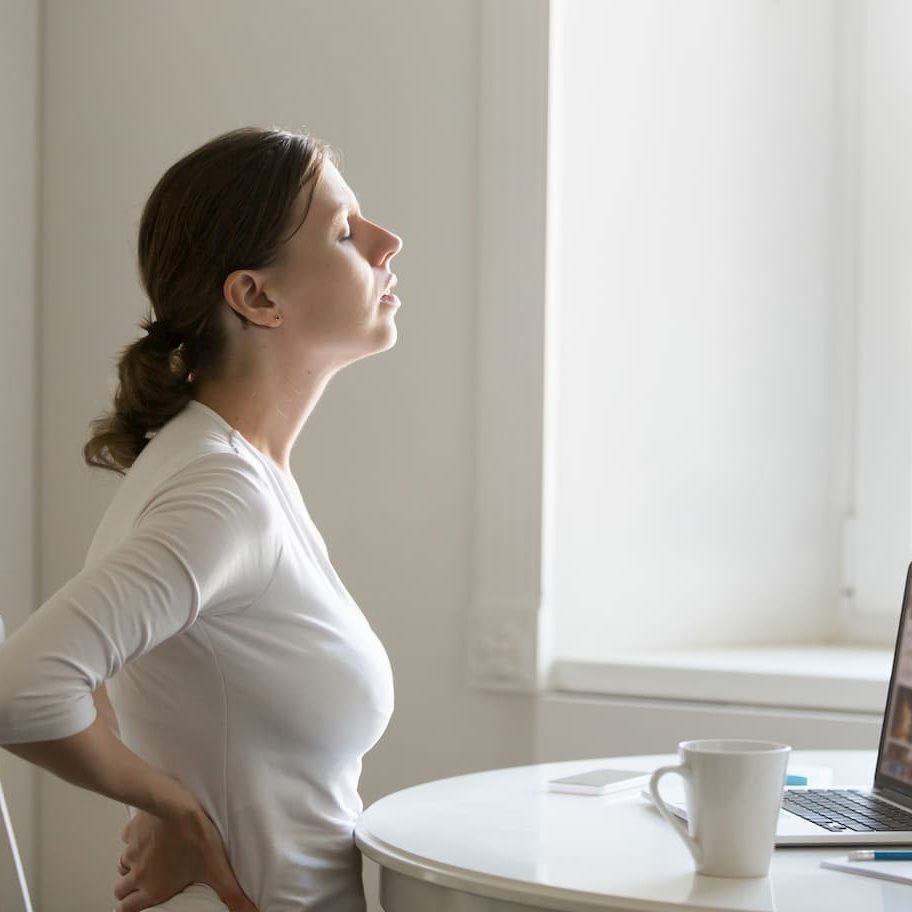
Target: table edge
<point>490,886</point>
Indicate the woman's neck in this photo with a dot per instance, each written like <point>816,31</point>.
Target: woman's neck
<point>270,419</point>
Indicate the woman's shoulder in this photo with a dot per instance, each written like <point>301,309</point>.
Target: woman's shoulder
<point>187,462</point>
<point>193,448</point>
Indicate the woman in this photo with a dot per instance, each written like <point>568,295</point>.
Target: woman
<point>245,683</point>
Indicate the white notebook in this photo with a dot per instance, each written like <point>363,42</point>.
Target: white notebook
<point>899,871</point>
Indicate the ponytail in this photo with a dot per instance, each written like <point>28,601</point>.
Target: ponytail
<point>154,386</point>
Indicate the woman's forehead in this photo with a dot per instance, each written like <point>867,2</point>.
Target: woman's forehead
<point>328,197</point>
<point>332,194</point>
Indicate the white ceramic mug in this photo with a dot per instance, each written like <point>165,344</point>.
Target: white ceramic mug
<point>733,790</point>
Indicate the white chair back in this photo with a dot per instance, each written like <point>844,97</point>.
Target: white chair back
<point>17,860</point>
<point>10,834</point>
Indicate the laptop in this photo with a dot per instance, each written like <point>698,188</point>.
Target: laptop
<point>875,816</point>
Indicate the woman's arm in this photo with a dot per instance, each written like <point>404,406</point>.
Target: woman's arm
<point>96,759</point>
<point>207,540</point>
<point>190,849</point>
<point>105,710</point>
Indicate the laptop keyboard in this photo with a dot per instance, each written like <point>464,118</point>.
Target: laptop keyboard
<point>838,810</point>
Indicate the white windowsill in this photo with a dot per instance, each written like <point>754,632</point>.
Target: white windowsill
<point>843,678</point>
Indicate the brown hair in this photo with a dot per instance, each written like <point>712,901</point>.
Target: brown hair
<point>220,208</point>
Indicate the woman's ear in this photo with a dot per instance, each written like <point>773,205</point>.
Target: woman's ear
<point>244,294</point>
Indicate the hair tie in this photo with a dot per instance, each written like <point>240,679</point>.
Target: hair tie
<point>159,332</point>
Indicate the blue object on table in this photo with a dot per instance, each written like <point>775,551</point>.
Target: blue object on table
<point>791,779</point>
<point>880,855</point>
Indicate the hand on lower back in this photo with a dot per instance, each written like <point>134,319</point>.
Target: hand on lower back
<point>165,855</point>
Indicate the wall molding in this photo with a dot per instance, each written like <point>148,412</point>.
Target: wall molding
<point>506,636</point>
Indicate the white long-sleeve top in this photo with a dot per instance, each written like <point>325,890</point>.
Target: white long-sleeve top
<point>234,658</point>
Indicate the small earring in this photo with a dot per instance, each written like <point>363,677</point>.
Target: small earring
<point>278,316</point>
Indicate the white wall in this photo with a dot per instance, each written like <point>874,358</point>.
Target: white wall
<point>571,727</point>
<point>20,79</point>
<point>386,460</point>
<point>699,432</point>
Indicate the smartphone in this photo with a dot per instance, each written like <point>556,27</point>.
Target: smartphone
<point>599,782</point>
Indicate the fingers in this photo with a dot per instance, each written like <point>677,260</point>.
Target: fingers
<point>242,905</point>
<point>235,898</point>
<point>135,902</point>
<point>229,891</point>
<point>226,885</point>
<point>124,886</point>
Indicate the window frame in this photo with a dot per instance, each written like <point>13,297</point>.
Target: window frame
<point>506,618</point>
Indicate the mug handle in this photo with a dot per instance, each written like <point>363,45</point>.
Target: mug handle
<point>692,845</point>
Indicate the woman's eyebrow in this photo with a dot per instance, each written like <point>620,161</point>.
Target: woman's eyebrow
<point>349,205</point>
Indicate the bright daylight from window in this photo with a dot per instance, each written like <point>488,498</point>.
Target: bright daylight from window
<point>730,366</point>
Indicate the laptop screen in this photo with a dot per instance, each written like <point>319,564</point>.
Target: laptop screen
<point>894,761</point>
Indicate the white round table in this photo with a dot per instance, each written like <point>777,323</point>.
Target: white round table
<point>499,841</point>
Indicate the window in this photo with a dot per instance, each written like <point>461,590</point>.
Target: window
<point>722,344</point>
<point>699,430</point>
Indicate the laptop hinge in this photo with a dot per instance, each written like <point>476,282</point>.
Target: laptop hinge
<point>888,794</point>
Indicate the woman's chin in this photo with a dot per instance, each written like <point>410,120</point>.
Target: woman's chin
<point>392,336</point>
